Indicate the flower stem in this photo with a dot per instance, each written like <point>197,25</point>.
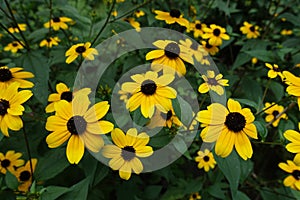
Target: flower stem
<point>27,148</point>
<point>261,102</point>
<point>12,35</point>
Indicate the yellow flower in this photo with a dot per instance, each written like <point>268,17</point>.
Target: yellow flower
<point>15,29</point>
<point>250,30</point>
<point>114,13</point>
<point>58,23</point>
<point>294,85</point>
<point>274,71</point>
<point>198,28</point>
<point>13,47</point>
<point>211,49</point>
<point>195,196</point>
<point>174,16</point>
<point>169,57</point>
<point>228,127</point>
<point>273,111</point>
<point>213,82</point>
<point>254,60</point>
<point>63,93</point>
<point>15,74</point>
<point>80,125</point>
<point>205,160</point>
<point>194,49</point>
<point>49,42</point>
<point>166,118</point>
<point>286,32</point>
<point>11,108</point>
<point>125,154</point>
<point>139,13</point>
<point>294,137</point>
<point>10,161</point>
<point>149,91</point>
<point>81,49</point>
<point>215,34</point>
<point>293,168</point>
<point>133,23</point>
<point>24,175</point>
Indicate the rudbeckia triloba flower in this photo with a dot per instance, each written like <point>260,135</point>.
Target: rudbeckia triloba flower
<point>294,85</point>
<point>215,34</point>
<point>169,57</point>
<point>293,168</point>
<point>58,23</point>
<point>81,49</point>
<point>80,125</point>
<point>213,82</point>
<point>63,93</point>
<point>205,160</point>
<point>274,71</point>
<point>251,31</point>
<point>286,32</point>
<point>133,23</point>
<point>211,49</point>
<point>11,108</point>
<point>10,161</point>
<point>294,137</point>
<point>273,111</point>
<point>15,29</point>
<point>49,42</point>
<point>166,118</point>
<point>24,175</point>
<point>228,127</point>
<point>16,74</point>
<point>254,60</point>
<point>195,196</point>
<point>174,16</point>
<point>194,49</point>
<point>198,28</point>
<point>126,151</point>
<point>13,47</point>
<point>139,13</point>
<point>149,91</point>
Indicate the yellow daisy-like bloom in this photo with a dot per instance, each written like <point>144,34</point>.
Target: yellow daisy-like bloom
<point>58,23</point>
<point>49,42</point>
<point>16,74</point>
<point>205,160</point>
<point>195,196</point>
<point>11,108</point>
<point>81,49</point>
<point>24,175</point>
<point>211,49</point>
<point>169,57</point>
<point>63,93</point>
<point>149,91</point>
<point>174,16</point>
<point>124,96</point>
<point>294,85</point>
<point>273,112</point>
<point>166,118</point>
<point>125,154</point>
<point>194,49</point>
<point>254,60</point>
<point>274,71</point>
<point>14,47</point>
<point>228,128</point>
<point>10,161</point>
<point>80,125</point>
<point>215,34</point>
<point>133,23</point>
<point>139,13</point>
<point>286,32</point>
<point>294,137</point>
<point>250,30</point>
<point>198,28</point>
<point>293,168</point>
<point>213,82</point>
<point>15,29</point>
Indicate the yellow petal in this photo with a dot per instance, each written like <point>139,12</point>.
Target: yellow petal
<point>155,54</point>
<point>75,149</point>
<point>118,137</point>
<point>111,151</point>
<point>57,138</point>
<point>243,146</point>
<point>233,106</point>
<point>224,144</point>
<point>96,112</point>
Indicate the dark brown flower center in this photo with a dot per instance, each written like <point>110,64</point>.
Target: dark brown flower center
<point>208,46</point>
<point>194,196</point>
<point>252,28</point>
<point>198,26</point>
<point>15,44</point>
<point>296,174</point>
<point>206,158</point>
<point>25,176</point>
<point>148,87</point>
<point>48,40</point>
<point>275,113</point>
<point>175,13</point>
<point>128,153</point>
<point>56,19</point>
<point>276,69</point>
<point>5,163</point>
<point>216,32</point>
<point>172,50</point>
<point>167,115</point>
<point>194,46</point>
<point>5,75</point>
<point>4,105</point>
<point>235,122</point>
<point>68,96</point>
<point>212,81</point>
<point>80,49</point>
<point>76,125</point>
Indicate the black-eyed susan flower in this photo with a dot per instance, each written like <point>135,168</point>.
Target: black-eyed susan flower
<point>49,42</point>
<point>58,23</point>
<point>164,118</point>
<point>293,168</point>
<point>133,23</point>
<point>80,125</point>
<point>215,34</point>
<point>11,108</point>
<point>274,71</point>
<point>211,49</point>
<point>213,82</point>
<point>228,127</point>
<point>293,85</point>
<point>254,60</point>
<point>126,152</point>
<point>83,49</point>
<point>294,137</point>
<point>15,29</point>
<point>169,57</point>
<point>24,175</point>
<point>15,74</point>
<point>114,13</point>
<point>10,161</point>
<point>272,113</point>
<point>139,13</point>
<point>14,47</point>
<point>286,32</point>
<point>63,93</point>
<point>174,16</point>
<point>205,160</point>
<point>251,31</point>
<point>195,196</point>
<point>149,92</point>
<point>194,49</point>
<point>198,28</point>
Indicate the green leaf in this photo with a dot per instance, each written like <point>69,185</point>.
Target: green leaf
<point>215,190</point>
<point>246,168</point>
<point>277,90</point>
<point>261,129</point>
<point>179,144</point>
<point>11,180</point>
<point>241,59</point>
<point>77,191</point>
<point>241,196</point>
<point>152,191</point>
<point>53,192</point>
<point>263,55</point>
<point>247,102</point>
<point>252,89</point>
<point>291,18</point>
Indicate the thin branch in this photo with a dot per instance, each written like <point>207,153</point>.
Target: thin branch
<point>12,35</point>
